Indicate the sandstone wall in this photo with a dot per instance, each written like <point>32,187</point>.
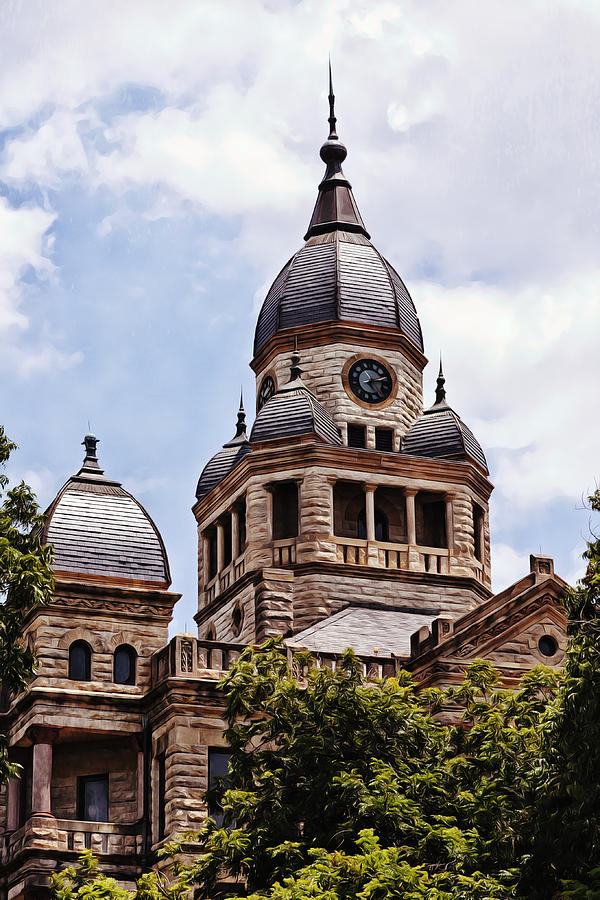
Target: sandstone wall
<point>117,758</point>
<point>322,373</point>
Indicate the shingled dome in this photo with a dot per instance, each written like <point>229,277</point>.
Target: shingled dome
<point>440,433</point>
<point>294,411</point>
<point>98,530</point>
<point>226,459</point>
<point>337,275</point>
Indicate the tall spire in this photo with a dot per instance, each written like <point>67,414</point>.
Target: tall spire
<point>332,118</point>
<point>240,436</point>
<point>440,392</point>
<point>335,209</point>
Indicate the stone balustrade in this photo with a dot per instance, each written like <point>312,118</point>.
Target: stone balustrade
<point>59,835</point>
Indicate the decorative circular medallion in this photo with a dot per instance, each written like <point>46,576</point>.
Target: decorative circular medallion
<point>267,389</point>
<point>370,381</point>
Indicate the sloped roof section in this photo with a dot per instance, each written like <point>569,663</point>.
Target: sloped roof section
<point>294,411</point>
<point>338,276</point>
<point>223,462</point>
<point>440,433</point>
<point>97,528</point>
<point>364,630</point>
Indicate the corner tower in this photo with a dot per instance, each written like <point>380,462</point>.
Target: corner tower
<point>347,493</point>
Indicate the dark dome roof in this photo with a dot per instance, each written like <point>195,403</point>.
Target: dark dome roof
<point>337,276</point>
<point>293,411</point>
<point>97,528</point>
<point>440,433</point>
<point>226,459</point>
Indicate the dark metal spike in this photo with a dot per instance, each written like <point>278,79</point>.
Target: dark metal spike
<point>440,393</point>
<point>332,118</point>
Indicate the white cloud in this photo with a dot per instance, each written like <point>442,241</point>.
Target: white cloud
<point>521,367</point>
<point>44,155</point>
<point>508,566</point>
<point>23,246</point>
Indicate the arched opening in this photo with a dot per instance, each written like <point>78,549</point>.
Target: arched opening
<point>382,531</point>
<point>285,510</point>
<point>211,633</point>
<point>80,661</point>
<point>124,664</point>
<point>430,515</point>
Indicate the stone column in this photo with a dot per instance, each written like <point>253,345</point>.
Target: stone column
<point>414,560</point>
<point>369,490</point>
<point>140,781</point>
<point>14,790</point>
<point>220,547</point>
<point>235,534</point>
<point>372,550</point>
<point>42,770</point>
<point>449,524</point>
<point>205,560</point>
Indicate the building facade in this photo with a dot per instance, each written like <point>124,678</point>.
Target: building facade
<point>350,515</point>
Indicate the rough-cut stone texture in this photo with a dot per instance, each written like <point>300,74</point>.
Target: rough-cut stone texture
<point>322,373</point>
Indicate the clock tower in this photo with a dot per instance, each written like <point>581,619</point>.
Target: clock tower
<point>346,493</point>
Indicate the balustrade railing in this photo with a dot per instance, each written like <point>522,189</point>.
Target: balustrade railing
<point>284,552</point>
<point>72,834</point>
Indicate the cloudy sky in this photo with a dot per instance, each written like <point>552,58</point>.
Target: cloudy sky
<point>158,165</point>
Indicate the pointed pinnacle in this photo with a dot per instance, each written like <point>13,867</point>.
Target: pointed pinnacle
<point>332,119</point>
<point>440,393</point>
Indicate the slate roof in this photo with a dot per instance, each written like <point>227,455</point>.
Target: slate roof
<point>226,459</point>
<point>294,410</point>
<point>364,629</point>
<point>440,433</point>
<point>337,276</point>
<point>97,528</point>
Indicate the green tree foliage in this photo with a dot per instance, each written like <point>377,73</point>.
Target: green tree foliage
<point>344,788</point>
<point>25,581</point>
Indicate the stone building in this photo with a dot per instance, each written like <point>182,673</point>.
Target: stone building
<point>349,516</point>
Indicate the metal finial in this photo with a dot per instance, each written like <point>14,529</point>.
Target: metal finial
<point>440,393</point>
<point>240,427</point>
<point>90,443</point>
<point>295,370</point>
<point>332,118</point>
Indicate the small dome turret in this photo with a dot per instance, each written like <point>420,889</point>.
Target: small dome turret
<point>440,433</point>
<point>294,411</point>
<point>99,531</point>
<point>337,275</point>
<point>227,458</point>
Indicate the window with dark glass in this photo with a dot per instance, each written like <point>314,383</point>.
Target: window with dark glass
<point>381,525</point>
<point>285,510</point>
<point>161,798</point>
<point>218,770</point>
<point>242,524</point>
<point>357,436</point>
<point>80,661</point>
<point>430,514</point>
<point>226,522</point>
<point>92,798</point>
<point>211,537</point>
<point>384,439</point>
<point>477,531</point>
<point>124,664</point>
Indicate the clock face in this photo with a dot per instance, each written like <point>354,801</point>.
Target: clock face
<point>267,389</point>
<point>370,381</point>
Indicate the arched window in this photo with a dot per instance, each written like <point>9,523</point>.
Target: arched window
<point>124,665</point>
<point>381,525</point>
<point>80,661</point>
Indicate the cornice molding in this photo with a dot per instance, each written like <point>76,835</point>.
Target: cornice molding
<point>323,333</point>
<point>267,459</point>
